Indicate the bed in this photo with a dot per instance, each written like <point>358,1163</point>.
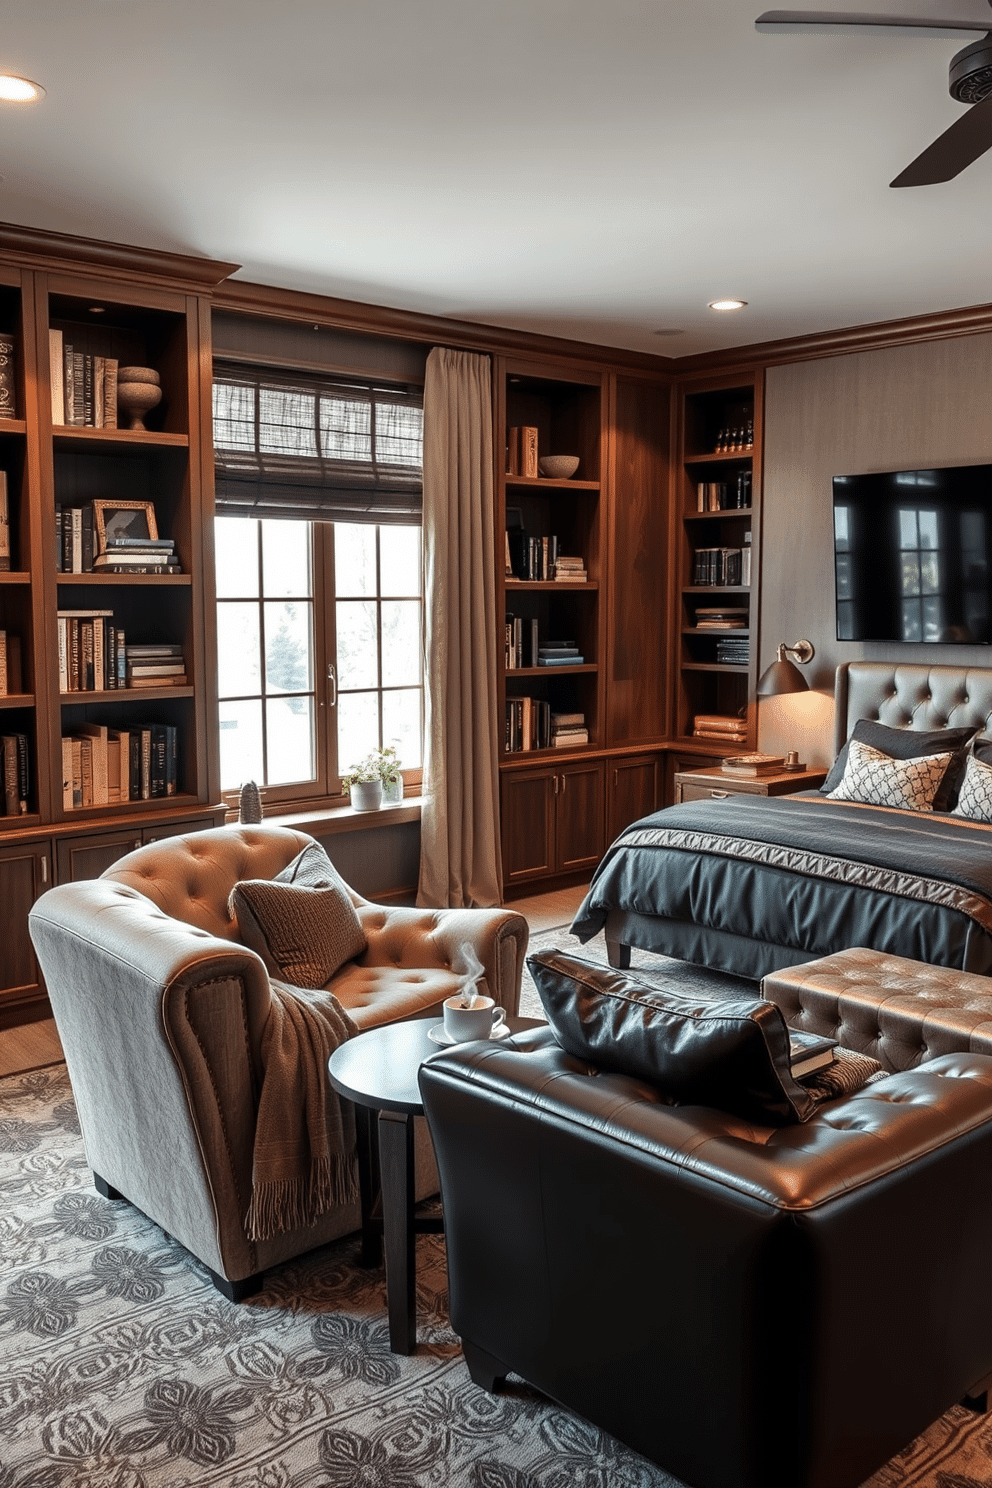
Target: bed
<point>752,884</point>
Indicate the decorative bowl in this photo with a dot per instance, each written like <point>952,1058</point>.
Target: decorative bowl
<point>558,467</point>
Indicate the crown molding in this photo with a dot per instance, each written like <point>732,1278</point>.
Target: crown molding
<point>430,330</point>
<point>36,248</point>
<point>970,321</point>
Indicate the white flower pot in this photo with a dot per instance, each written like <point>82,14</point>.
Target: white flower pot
<point>366,795</point>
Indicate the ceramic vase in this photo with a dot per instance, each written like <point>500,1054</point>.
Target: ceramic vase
<point>138,392</point>
<point>366,795</point>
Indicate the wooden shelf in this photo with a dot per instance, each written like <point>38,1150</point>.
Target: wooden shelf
<point>555,671</point>
<point>12,426</point>
<point>716,666</point>
<point>718,516</point>
<point>15,577</point>
<point>549,586</point>
<point>65,435</point>
<point>723,457</point>
<point>88,580</point>
<point>714,635</point>
<point>717,589</point>
<point>17,700</point>
<point>130,808</point>
<point>122,695</point>
<point>545,483</point>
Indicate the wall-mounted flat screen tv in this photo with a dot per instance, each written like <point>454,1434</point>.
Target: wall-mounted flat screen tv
<point>912,556</point>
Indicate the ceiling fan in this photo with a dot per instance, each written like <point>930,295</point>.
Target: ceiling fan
<point>970,80</point>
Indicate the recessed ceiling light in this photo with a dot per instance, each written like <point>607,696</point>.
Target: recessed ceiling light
<point>18,89</point>
<point>727,304</point>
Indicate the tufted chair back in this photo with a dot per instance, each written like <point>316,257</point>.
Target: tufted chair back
<point>911,696</point>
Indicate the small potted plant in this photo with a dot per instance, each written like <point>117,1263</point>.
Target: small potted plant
<point>368,781</point>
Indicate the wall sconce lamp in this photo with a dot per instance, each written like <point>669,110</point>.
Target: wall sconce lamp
<point>783,675</point>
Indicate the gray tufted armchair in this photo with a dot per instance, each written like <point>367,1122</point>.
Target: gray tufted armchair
<point>160,1010</point>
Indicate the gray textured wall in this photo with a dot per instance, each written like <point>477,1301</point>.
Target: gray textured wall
<point>905,408</point>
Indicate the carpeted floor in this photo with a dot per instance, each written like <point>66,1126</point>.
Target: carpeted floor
<point>122,1367</point>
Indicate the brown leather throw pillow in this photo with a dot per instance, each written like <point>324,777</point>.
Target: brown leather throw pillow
<point>302,922</point>
<point>728,1053</point>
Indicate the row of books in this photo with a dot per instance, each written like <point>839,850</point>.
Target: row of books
<point>732,495</point>
<point>523,646</point>
<point>721,617</point>
<point>11,675</point>
<point>521,451</point>
<point>8,400</point>
<point>733,652</point>
<point>94,656</point>
<point>5,547</point>
<point>530,558</point>
<point>16,779</point>
<point>714,567</point>
<point>530,724</point>
<point>103,766</point>
<point>84,387</point>
<point>81,546</point>
<point>725,727</point>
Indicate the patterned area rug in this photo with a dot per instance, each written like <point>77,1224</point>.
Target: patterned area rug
<point>122,1367</point>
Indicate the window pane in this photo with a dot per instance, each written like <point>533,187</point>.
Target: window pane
<point>234,417</point>
<point>286,559</point>
<point>354,559</point>
<point>401,725</point>
<point>358,727</point>
<point>288,658</point>
<point>238,670</point>
<point>286,423</point>
<point>290,740</point>
<point>346,428</point>
<point>399,434</point>
<point>928,530</point>
<point>400,642</point>
<point>358,661</point>
<point>399,559</point>
<point>236,542</point>
<point>240,744</point>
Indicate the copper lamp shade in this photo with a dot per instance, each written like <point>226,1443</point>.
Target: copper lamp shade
<point>783,675</point>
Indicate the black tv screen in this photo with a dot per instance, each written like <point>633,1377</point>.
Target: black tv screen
<point>912,555</point>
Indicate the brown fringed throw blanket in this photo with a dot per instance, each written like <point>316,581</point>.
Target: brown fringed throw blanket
<point>847,1073</point>
<point>304,1159</point>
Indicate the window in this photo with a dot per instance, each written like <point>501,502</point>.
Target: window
<point>319,590</point>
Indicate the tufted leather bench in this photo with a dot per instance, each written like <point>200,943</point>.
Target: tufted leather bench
<point>901,1012</point>
<point>160,1010</point>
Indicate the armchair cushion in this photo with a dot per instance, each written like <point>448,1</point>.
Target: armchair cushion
<point>731,1054</point>
<point>302,922</point>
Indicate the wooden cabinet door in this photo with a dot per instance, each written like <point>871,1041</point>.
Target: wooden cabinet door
<point>633,791</point>
<point>87,857</point>
<point>527,824</point>
<point>25,874</point>
<point>579,816</point>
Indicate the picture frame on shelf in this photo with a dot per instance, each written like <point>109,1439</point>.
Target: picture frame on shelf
<point>128,519</point>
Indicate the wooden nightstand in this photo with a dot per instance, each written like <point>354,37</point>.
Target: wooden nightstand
<point>714,783</point>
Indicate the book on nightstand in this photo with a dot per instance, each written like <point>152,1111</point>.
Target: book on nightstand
<point>751,765</point>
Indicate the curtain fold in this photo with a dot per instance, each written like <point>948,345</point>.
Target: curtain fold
<point>459,853</point>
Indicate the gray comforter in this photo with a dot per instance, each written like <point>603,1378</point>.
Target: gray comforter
<point>750,884</point>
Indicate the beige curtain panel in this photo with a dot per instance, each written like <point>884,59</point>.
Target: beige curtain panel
<point>459,846</point>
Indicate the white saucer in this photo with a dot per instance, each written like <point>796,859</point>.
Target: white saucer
<point>438,1035</point>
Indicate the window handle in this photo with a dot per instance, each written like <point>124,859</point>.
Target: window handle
<point>333,680</point>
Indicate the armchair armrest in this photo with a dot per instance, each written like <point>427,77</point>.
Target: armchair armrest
<point>437,937</point>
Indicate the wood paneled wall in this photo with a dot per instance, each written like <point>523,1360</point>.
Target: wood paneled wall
<point>904,407</point>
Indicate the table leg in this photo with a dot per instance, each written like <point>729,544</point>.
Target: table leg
<point>368,1184</point>
<point>396,1176</point>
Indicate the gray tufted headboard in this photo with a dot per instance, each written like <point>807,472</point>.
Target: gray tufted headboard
<point>911,695</point>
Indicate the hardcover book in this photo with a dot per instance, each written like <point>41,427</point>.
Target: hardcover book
<point>809,1052</point>
<point>8,402</point>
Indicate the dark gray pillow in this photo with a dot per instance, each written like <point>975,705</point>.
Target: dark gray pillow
<point>302,922</point>
<point>904,744</point>
<point>731,1054</point>
<point>982,749</point>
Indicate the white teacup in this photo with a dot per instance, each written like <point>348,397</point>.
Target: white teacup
<point>475,1022</point>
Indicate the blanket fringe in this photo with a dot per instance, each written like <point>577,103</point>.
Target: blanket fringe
<point>297,1203</point>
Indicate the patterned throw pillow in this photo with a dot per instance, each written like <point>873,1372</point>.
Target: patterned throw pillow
<point>975,795</point>
<point>874,779</point>
<point>302,922</point>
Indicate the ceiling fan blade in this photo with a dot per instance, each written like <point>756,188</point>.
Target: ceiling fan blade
<point>841,23</point>
<point>967,139</point>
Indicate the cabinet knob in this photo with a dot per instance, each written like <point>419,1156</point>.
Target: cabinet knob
<point>720,795</point>
<point>44,868</point>
<point>556,784</point>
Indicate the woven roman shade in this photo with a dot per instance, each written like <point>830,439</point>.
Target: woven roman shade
<point>314,448</point>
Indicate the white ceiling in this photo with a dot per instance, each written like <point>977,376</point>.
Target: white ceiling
<point>597,169</point>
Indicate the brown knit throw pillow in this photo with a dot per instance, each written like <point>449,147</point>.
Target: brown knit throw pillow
<point>302,922</point>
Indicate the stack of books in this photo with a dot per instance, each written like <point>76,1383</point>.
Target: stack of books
<point>559,653</point>
<point>719,617</point>
<point>734,652</point>
<point>721,726</point>
<point>568,729</point>
<point>15,774</point>
<point>751,765</point>
<point>138,555</point>
<point>10,665</point>
<point>103,766</point>
<point>84,387</point>
<point>155,666</point>
<point>570,570</point>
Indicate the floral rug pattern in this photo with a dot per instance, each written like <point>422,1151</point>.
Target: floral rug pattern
<point>122,1367</point>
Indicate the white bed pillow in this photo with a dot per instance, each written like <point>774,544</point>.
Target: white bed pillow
<point>875,779</point>
<point>975,794</point>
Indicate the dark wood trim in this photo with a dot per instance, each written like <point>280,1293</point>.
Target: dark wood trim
<point>411,325</point>
<point>41,249</point>
<point>970,321</point>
